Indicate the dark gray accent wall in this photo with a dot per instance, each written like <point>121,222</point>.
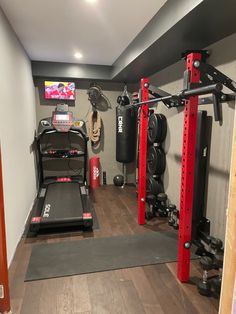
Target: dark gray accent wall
<point>70,70</point>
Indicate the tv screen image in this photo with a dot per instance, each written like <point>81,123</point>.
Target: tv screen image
<point>59,90</point>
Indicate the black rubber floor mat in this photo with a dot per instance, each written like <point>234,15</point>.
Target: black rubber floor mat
<point>101,254</point>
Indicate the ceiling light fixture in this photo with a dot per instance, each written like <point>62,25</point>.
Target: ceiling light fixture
<point>78,55</point>
<point>91,1</point>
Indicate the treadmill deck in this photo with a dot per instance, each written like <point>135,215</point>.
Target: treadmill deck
<point>65,204</point>
<point>62,201</point>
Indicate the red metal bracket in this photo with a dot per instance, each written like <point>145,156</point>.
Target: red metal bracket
<point>4,285</point>
<point>187,177</point>
<point>143,126</point>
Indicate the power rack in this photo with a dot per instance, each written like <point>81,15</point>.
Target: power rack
<point>200,78</point>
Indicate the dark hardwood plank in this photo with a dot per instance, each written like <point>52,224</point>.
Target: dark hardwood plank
<point>105,294</point>
<point>32,297</point>
<point>130,295</point>
<point>143,287</point>
<point>171,297</point>
<point>81,297</point>
<point>65,296</point>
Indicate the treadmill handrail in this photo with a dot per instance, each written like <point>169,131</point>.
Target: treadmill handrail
<point>52,130</point>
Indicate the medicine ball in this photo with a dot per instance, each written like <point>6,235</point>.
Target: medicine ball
<point>118,180</point>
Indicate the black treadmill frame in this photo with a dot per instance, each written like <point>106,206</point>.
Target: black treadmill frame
<point>43,183</point>
<point>40,155</point>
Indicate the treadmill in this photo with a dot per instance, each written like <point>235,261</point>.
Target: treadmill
<point>62,200</point>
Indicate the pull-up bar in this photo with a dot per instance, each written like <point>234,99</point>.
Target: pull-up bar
<point>210,89</point>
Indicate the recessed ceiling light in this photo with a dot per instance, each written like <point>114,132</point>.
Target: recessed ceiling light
<point>91,1</point>
<point>78,55</point>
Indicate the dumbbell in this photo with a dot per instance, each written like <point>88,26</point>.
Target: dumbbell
<point>218,264</point>
<point>161,204</point>
<point>218,259</point>
<point>216,285</point>
<point>170,209</point>
<point>204,286</point>
<point>176,219</point>
<point>216,244</point>
<point>151,200</point>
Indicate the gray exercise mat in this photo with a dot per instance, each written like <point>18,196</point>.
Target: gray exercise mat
<point>101,254</point>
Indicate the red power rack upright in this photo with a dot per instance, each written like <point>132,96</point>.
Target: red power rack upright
<point>187,176</point>
<point>143,152</point>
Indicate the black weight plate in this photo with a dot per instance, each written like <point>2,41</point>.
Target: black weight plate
<point>152,128</point>
<point>151,160</point>
<point>163,128</point>
<point>159,128</point>
<point>153,186</point>
<point>156,161</point>
<point>161,162</point>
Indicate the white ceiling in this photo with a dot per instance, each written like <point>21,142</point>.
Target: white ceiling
<point>53,30</point>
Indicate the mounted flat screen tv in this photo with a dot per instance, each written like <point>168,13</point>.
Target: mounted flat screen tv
<point>59,90</point>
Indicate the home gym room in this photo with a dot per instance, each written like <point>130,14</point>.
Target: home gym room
<point>117,156</point>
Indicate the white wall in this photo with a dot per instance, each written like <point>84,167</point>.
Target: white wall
<point>223,57</point>
<point>17,125</point>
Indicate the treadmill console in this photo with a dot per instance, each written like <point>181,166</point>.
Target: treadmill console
<point>62,121</point>
<point>62,118</point>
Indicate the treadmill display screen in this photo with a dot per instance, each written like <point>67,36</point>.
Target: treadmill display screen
<point>62,122</point>
<point>62,117</point>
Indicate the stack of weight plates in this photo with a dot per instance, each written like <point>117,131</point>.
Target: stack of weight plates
<point>156,158</point>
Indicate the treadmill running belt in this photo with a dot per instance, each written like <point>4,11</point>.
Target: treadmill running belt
<point>63,201</point>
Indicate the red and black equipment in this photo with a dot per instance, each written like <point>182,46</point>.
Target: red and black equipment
<point>187,176</point>
<point>143,126</point>
<point>4,285</point>
<point>63,199</point>
<point>94,170</point>
<point>199,79</point>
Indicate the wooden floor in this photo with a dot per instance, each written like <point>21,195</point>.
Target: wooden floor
<point>149,289</point>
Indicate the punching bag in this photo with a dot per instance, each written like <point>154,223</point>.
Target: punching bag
<point>126,133</point>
